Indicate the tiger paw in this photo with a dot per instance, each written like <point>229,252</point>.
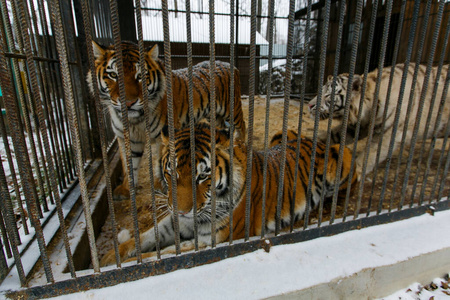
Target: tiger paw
<point>125,251</point>
<point>121,193</point>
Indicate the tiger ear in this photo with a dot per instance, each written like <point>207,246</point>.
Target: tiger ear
<point>357,82</point>
<point>153,52</point>
<point>330,77</point>
<point>98,49</point>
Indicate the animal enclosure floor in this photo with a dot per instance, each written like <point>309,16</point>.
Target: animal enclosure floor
<point>367,199</point>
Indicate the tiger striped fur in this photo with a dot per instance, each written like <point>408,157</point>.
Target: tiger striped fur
<point>238,193</point>
<point>106,76</point>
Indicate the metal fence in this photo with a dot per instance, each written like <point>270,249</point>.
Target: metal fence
<point>60,160</point>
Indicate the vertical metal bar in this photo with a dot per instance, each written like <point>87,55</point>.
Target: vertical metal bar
<point>266,127</point>
<point>53,184</point>
<point>287,96</point>
<point>9,35</point>
<point>49,106</point>
<point>191,120</point>
<point>421,106</point>
<point>6,204</point>
<point>125,123</point>
<point>251,113</point>
<point>347,102</point>
<point>148,146</point>
<point>446,168</point>
<point>232,99</point>
<point>23,105</point>
<point>170,120</point>
<point>212,87</point>
<point>23,162</point>
<point>44,133</point>
<point>13,173</point>
<point>101,127</point>
<point>37,44</point>
<point>400,100</point>
<point>443,150</point>
<point>306,45</point>
<point>363,91</point>
<point>3,264</point>
<point>68,93</point>
<point>385,112</point>
<point>4,234</point>
<point>438,117</point>
<point>410,104</point>
<point>332,100</point>
<point>323,48</point>
<point>373,111</point>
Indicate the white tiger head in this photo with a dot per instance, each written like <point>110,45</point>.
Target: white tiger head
<point>340,92</point>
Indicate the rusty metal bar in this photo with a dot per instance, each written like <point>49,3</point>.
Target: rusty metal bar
<point>101,127</point>
<point>400,100</point>
<point>385,112</point>
<point>267,116</point>
<point>425,84</point>
<point>287,95</point>
<point>438,117</point>
<point>332,102</point>
<point>251,115</point>
<point>8,213</point>
<point>147,112</point>
<point>170,121</point>
<point>232,127</point>
<point>410,100</point>
<point>68,93</point>
<point>125,123</point>
<point>323,48</point>
<point>191,120</point>
<point>353,57</point>
<point>40,115</point>
<point>23,163</point>
<point>212,87</point>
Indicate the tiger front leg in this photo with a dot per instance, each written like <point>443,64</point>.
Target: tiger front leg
<point>122,191</point>
<point>147,240</point>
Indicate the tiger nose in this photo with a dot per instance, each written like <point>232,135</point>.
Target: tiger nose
<point>130,103</point>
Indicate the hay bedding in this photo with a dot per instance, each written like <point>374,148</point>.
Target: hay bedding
<point>122,209</point>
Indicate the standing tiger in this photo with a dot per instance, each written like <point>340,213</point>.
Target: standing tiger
<point>238,192</point>
<point>107,79</point>
<point>380,130</point>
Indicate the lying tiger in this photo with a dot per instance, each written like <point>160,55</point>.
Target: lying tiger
<point>107,80</point>
<point>222,183</point>
<point>383,131</point>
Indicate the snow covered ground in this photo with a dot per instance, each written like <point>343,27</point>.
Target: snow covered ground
<point>290,268</point>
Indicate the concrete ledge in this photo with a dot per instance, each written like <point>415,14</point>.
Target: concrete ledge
<point>381,281</point>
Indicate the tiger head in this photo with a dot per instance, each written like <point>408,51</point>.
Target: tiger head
<point>340,93</point>
<point>183,171</point>
<point>106,73</point>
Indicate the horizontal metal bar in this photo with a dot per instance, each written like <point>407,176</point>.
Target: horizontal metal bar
<point>190,260</point>
<point>36,58</point>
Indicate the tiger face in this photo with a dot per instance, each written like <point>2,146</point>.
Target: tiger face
<point>203,174</point>
<point>340,92</point>
<point>107,79</point>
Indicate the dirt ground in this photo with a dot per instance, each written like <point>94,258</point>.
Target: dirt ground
<point>362,200</point>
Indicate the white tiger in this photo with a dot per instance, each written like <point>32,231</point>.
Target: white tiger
<point>380,130</point>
